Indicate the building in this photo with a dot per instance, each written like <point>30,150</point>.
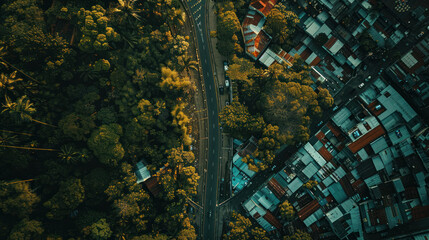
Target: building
<point>255,38</point>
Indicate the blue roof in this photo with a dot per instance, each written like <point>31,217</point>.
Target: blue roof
<point>337,192</point>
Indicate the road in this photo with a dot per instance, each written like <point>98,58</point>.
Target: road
<point>197,8</point>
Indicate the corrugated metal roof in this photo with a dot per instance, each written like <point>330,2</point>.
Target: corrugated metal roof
<point>334,215</point>
<point>337,192</point>
<point>379,145</point>
<point>398,135</point>
<point>393,101</point>
<point>378,163</point>
<point>295,185</point>
<point>310,170</point>
<point>399,187</point>
<point>314,154</point>
<point>142,173</point>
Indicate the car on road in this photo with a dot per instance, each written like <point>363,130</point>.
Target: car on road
<point>361,85</point>
<point>365,67</point>
<point>210,214</point>
<point>227,103</point>
<point>221,90</point>
<point>227,82</point>
<point>320,123</point>
<point>367,79</point>
<point>335,108</point>
<point>225,66</point>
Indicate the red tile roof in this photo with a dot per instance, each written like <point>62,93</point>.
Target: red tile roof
<point>380,29</point>
<point>309,209</point>
<point>325,153</point>
<point>263,6</point>
<point>252,19</point>
<point>153,186</point>
<point>335,130</point>
<point>377,216</point>
<point>315,61</point>
<point>356,185</point>
<point>372,109</point>
<point>348,189</point>
<point>272,220</point>
<point>320,135</point>
<point>330,42</point>
<point>276,188</point>
<point>305,54</point>
<point>366,139</point>
<point>420,212</point>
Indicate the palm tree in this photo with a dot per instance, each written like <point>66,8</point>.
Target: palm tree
<point>6,64</point>
<point>68,154</point>
<point>186,63</point>
<point>176,18</point>
<point>125,11</point>
<point>6,82</point>
<point>23,109</point>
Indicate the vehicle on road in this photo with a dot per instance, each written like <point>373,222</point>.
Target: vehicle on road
<point>367,79</point>
<point>320,123</point>
<point>361,85</point>
<point>365,67</point>
<point>225,65</point>
<point>221,90</point>
<point>227,103</point>
<point>210,214</point>
<point>335,108</point>
<point>227,82</point>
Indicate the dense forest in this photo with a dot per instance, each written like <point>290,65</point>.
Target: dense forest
<point>88,89</point>
<point>275,104</point>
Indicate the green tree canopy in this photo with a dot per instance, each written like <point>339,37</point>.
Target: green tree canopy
<point>70,194</point>
<point>324,98</point>
<point>298,235</point>
<point>96,34</point>
<point>101,230</point>
<point>281,23</point>
<point>286,210</point>
<point>26,230</point>
<point>288,105</point>
<point>17,199</point>
<point>236,120</point>
<point>104,142</point>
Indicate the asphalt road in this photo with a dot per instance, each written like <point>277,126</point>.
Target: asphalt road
<point>197,8</point>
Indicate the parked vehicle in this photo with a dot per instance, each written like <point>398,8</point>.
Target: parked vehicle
<point>361,85</point>
<point>221,90</point>
<point>227,103</point>
<point>335,108</point>
<point>225,65</point>
<point>227,82</point>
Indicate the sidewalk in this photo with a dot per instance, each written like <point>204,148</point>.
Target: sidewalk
<point>225,151</point>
